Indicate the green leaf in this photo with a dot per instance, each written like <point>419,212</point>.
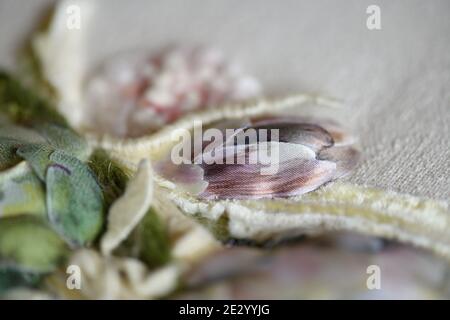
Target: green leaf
<point>111,177</point>
<point>22,134</point>
<point>154,240</point>
<point>21,192</point>
<point>28,244</point>
<point>23,106</point>
<point>11,278</point>
<point>11,139</point>
<point>37,156</point>
<point>64,139</point>
<point>74,199</point>
<point>8,156</point>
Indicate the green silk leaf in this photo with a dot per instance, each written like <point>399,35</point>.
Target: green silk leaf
<point>11,278</point>
<point>21,192</point>
<point>22,106</point>
<point>8,156</point>
<point>74,199</point>
<point>64,139</point>
<point>154,240</point>
<point>37,156</point>
<point>28,244</point>
<point>111,177</point>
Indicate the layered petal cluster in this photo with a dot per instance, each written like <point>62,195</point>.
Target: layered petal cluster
<point>137,93</point>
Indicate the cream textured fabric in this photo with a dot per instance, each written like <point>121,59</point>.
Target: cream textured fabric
<point>395,81</point>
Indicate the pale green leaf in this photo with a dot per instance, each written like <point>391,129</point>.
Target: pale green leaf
<point>64,139</point>
<point>74,199</point>
<point>28,244</point>
<point>8,156</point>
<point>37,156</point>
<point>129,209</point>
<point>22,134</point>
<point>21,192</point>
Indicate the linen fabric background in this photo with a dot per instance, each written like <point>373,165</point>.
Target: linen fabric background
<point>394,81</point>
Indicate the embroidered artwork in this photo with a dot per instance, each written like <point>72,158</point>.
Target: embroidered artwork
<point>166,171</point>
